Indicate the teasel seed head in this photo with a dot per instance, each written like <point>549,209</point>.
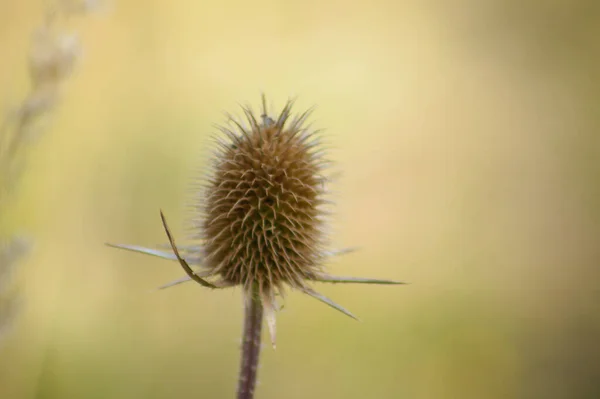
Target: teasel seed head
<point>261,213</point>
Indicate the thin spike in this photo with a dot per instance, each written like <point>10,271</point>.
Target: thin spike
<point>144,250</point>
<point>181,280</point>
<point>265,114</point>
<point>182,261</point>
<point>218,284</point>
<point>241,128</point>
<point>285,113</point>
<point>329,302</point>
<point>250,117</point>
<point>326,278</point>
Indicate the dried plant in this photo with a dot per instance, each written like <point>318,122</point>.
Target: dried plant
<point>260,222</point>
<point>52,56</point>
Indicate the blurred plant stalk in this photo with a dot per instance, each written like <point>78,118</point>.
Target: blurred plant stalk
<point>52,57</point>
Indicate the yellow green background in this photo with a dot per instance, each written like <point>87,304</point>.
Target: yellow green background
<point>467,134</point>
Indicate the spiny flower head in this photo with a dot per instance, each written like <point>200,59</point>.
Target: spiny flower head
<point>262,218</point>
<point>260,215</point>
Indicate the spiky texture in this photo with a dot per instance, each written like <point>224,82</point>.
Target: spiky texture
<point>261,216</point>
<point>261,220</point>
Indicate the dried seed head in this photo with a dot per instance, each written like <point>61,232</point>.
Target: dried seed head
<point>261,210</point>
<point>261,217</point>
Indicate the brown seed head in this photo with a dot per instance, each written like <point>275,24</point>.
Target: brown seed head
<point>261,218</point>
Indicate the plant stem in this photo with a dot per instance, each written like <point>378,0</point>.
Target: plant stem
<point>253,314</point>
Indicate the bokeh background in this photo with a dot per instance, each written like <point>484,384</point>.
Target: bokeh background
<point>467,134</point>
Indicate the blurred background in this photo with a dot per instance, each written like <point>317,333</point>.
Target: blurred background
<point>467,134</point>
